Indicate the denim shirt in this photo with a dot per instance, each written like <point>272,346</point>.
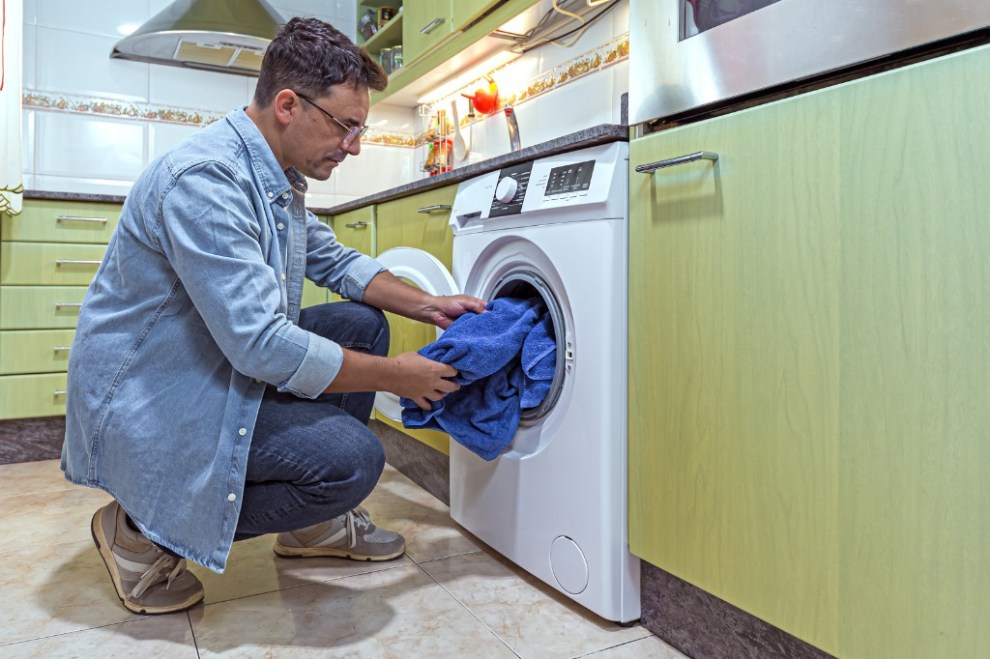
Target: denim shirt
<point>192,313</point>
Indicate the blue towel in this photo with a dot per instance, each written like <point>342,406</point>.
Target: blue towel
<point>505,359</point>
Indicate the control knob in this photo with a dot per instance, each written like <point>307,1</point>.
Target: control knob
<point>506,190</point>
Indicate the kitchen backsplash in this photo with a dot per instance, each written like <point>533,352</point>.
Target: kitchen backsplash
<point>91,124</point>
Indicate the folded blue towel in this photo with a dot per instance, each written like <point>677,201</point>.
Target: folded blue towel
<point>498,374</point>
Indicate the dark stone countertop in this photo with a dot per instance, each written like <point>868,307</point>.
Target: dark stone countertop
<point>600,134</point>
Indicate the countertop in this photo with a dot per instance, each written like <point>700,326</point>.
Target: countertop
<point>600,134</point>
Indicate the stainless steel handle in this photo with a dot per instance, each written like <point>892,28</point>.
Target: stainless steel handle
<point>59,392</point>
<point>356,225</point>
<point>435,208</point>
<point>432,25</point>
<point>679,160</point>
<point>76,218</point>
<point>67,305</point>
<point>61,262</point>
<point>61,348</point>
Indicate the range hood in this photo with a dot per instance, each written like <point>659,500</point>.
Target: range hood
<point>217,35</point>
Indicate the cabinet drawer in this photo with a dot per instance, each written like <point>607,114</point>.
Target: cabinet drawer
<point>26,396</point>
<point>33,351</point>
<point>49,263</point>
<point>61,222</point>
<point>40,307</point>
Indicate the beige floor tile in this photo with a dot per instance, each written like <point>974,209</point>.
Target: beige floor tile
<point>32,478</point>
<point>398,613</point>
<point>532,618</point>
<point>48,518</point>
<point>165,637</point>
<point>62,589</point>
<point>646,648</point>
<point>253,568</point>
<point>400,505</point>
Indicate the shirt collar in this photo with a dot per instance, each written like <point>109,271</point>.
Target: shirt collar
<point>274,181</point>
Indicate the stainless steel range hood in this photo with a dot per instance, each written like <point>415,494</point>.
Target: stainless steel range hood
<point>217,35</point>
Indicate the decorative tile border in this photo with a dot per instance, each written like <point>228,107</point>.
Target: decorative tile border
<point>164,114</point>
<point>593,61</point>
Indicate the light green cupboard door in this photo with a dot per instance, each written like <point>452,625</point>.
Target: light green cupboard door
<point>58,264</point>
<point>425,24</point>
<point>355,229</point>
<point>915,361</point>
<point>733,376</point>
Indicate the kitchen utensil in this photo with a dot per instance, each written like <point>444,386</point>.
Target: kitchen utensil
<point>460,146</point>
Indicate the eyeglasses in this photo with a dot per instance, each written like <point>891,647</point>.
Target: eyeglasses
<point>353,132</point>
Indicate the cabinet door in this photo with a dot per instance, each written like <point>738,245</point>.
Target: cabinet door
<point>426,23</point>
<point>28,396</point>
<point>733,346</point>
<point>419,221</point>
<point>356,229</point>
<point>40,307</point>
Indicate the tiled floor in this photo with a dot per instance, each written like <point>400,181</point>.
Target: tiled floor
<point>447,597</point>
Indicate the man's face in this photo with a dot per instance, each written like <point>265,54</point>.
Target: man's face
<point>320,137</point>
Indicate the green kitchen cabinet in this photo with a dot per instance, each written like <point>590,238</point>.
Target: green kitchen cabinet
<point>808,362</point>
<point>425,23</point>
<point>355,229</point>
<point>54,264</point>
<point>465,12</point>
<point>43,220</point>
<point>34,351</point>
<point>419,221</point>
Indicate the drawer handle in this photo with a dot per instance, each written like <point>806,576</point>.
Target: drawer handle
<point>432,25</point>
<point>58,349</point>
<point>77,218</point>
<point>435,208</point>
<point>67,305</point>
<point>356,225</point>
<point>60,262</point>
<point>59,393</point>
<point>679,160</point>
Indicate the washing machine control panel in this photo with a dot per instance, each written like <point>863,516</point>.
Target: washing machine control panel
<point>510,191</point>
<point>569,178</point>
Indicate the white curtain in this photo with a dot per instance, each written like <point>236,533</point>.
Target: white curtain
<point>11,63</point>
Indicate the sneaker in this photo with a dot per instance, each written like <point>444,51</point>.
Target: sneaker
<point>147,578</point>
<point>352,535</point>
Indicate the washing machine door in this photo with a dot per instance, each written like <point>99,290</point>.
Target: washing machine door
<point>427,273</point>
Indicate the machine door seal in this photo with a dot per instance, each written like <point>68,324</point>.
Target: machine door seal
<point>429,274</point>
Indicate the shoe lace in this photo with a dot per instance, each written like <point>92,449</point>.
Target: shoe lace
<point>165,565</point>
<point>351,520</point>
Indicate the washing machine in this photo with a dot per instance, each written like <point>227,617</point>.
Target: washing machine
<point>555,501</point>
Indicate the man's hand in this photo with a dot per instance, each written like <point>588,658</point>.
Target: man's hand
<point>445,309</point>
<point>422,380</point>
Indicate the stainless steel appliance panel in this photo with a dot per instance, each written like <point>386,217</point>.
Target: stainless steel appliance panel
<point>674,69</point>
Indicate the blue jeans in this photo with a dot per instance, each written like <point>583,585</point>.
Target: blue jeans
<point>312,460</point>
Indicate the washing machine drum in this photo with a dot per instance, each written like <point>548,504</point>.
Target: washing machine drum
<point>527,285</point>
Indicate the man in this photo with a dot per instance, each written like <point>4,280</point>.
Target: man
<point>200,396</point>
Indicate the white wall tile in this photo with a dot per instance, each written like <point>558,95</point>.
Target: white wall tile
<point>323,188</point>
<point>162,137</point>
<point>30,52</point>
<point>29,182</point>
<point>30,12</point>
<point>75,63</point>
<point>202,90</point>
<point>82,185</point>
<point>377,168</point>
<point>585,102</point>
<point>77,145</point>
<point>620,86</point>
<point>97,17</point>
<point>27,140</point>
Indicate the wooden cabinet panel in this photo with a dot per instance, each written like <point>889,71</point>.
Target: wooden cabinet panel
<point>466,11</point>
<point>61,221</point>
<point>40,307</point>
<point>27,396</point>
<point>356,229</point>
<point>732,361</point>
<point>425,24</point>
<point>809,368</point>
<point>34,351</point>
<point>49,263</point>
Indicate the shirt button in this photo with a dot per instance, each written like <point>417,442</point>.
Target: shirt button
<point>271,195</point>
<point>280,226</point>
<point>285,195</point>
<point>242,432</point>
<point>231,497</point>
<point>283,276</point>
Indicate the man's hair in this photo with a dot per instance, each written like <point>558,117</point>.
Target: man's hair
<point>310,56</point>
